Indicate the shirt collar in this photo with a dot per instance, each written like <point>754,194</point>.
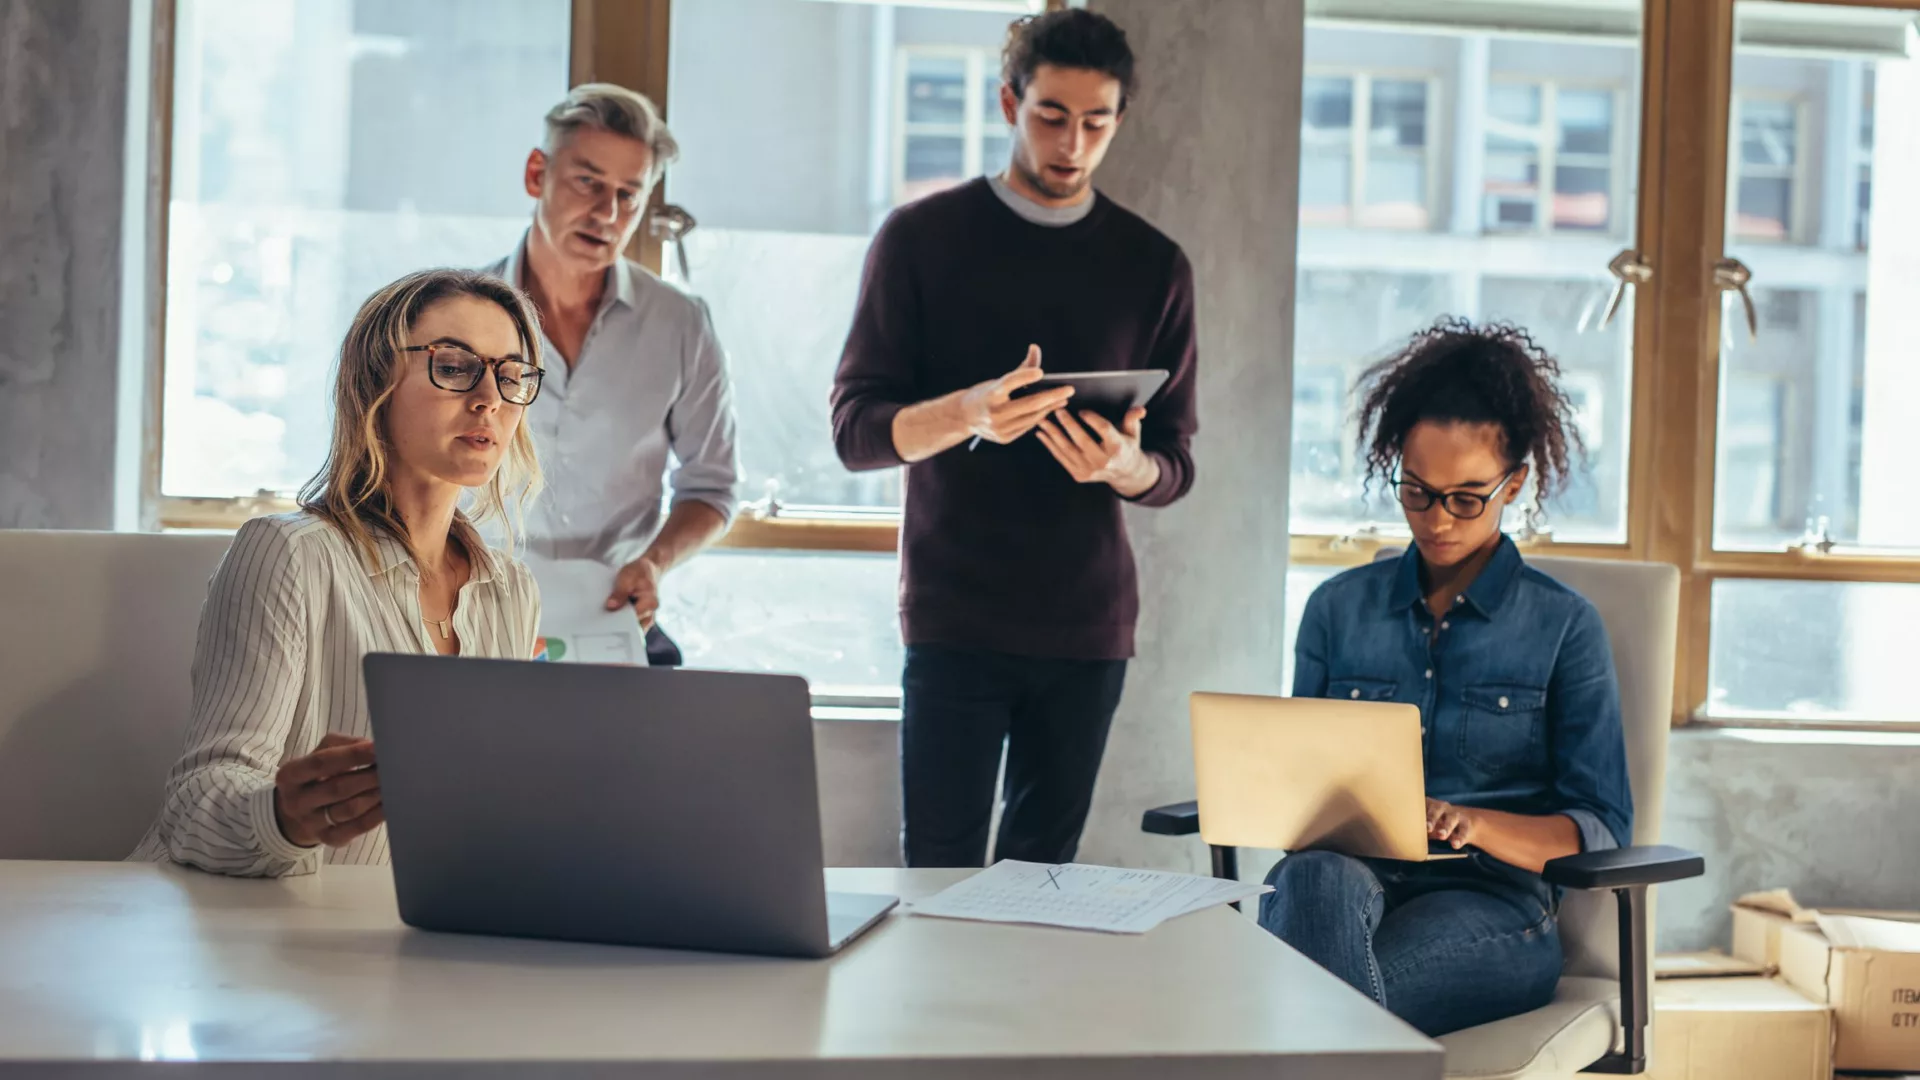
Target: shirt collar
<point>620,275</point>
<point>390,553</point>
<point>1487,593</point>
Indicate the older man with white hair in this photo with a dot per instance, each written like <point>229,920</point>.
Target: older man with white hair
<point>634,371</point>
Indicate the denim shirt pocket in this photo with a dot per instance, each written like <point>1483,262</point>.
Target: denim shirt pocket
<point>1362,689</point>
<point>1501,727</point>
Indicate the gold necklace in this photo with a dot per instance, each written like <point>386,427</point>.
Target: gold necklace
<point>444,627</point>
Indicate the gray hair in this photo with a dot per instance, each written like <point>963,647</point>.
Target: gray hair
<point>607,107</point>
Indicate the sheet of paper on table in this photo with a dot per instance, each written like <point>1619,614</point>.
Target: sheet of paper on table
<point>1081,897</point>
<point>575,625</point>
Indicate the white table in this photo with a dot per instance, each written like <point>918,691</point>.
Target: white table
<point>106,966</point>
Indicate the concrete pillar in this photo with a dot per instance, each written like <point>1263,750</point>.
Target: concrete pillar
<point>63,91</point>
<point>1210,154</point>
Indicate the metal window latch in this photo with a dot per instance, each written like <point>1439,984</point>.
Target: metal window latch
<point>1627,268</point>
<point>1345,541</point>
<point>1732,275</point>
<point>670,224</point>
<point>768,507</point>
<point>1818,538</point>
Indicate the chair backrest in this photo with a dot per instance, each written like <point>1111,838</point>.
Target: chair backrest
<point>96,640</point>
<point>1640,605</point>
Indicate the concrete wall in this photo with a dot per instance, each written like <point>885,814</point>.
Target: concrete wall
<point>1208,153</point>
<point>1833,816</point>
<point>63,89</point>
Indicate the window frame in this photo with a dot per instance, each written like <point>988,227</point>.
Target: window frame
<point>1359,153</point>
<point>1798,175</point>
<point>1549,154</point>
<point>982,71</point>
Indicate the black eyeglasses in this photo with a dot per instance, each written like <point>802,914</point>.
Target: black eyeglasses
<point>1418,498</point>
<point>460,370</point>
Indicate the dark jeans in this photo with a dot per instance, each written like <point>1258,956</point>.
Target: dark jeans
<point>1444,945</point>
<point>959,707</point>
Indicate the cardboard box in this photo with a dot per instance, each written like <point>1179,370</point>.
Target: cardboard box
<point>1738,1029</point>
<point>1711,964</point>
<point>1758,919</point>
<point>1757,922</point>
<point>1868,970</point>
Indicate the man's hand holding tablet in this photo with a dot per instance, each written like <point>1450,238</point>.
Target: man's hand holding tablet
<point>994,413</point>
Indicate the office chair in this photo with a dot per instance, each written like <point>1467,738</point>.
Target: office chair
<point>1599,1018</point>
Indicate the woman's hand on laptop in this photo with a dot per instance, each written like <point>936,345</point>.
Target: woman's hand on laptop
<point>1451,824</point>
<point>329,796</point>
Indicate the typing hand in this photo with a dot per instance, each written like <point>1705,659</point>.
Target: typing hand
<point>992,412</point>
<point>1093,451</point>
<point>329,796</point>
<point>1450,824</point>
<point>638,585</point>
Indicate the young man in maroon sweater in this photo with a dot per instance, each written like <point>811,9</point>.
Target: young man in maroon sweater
<point>1018,592</point>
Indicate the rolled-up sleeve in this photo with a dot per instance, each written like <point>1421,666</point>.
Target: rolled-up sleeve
<point>1590,782</point>
<point>249,668</point>
<point>701,429</point>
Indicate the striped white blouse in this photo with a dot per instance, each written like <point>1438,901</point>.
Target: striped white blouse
<point>276,666</point>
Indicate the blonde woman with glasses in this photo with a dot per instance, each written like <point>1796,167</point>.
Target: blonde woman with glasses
<point>435,376</point>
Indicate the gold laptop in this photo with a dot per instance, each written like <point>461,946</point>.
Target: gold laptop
<point>1300,773</point>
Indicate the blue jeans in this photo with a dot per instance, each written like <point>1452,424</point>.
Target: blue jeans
<point>1442,945</point>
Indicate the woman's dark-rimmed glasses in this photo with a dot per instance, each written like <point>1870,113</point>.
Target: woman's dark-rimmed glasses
<point>460,370</point>
<point>1417,498</point>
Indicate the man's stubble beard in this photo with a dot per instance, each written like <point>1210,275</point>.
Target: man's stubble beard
<point>1041,183</point>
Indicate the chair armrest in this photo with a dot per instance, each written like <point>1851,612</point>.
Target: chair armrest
<point>1629,872</point>
<point>1179,819</point>
<point>1622,868</point>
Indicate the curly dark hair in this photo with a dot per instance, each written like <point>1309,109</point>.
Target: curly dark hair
<point>1074,38</point>
<point>1455,371</point>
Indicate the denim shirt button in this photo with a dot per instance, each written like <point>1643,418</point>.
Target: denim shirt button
<point>1503,702</point>
<point>1445,625</point>
<point>1356,695</point>
<point>1429,673</point>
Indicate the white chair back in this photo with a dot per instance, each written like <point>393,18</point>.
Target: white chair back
<point>1640,605</point>
<point>96,640</point>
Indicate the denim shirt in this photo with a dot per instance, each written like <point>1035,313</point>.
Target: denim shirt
<point>1520,710</point>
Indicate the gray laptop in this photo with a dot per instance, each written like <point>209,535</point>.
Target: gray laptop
<point>626,805</point>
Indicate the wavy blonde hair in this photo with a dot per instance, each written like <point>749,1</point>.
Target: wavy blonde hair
<point>352,490</point>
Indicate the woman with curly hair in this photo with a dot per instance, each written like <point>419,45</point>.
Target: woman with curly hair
<point>1525,760</point>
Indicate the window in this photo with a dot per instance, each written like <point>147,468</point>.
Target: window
<point>1362,292</point>
<point>1365,151</point>
<point>1597,377</point>
<point>1767,182</point>
<point>830,616</point>
<point>297,188</point>
<point>1552,143</point>
<point>1810,650</point>
<point>1815,537</point>
<point>951,123</point>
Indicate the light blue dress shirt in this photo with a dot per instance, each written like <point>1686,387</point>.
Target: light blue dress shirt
<point>650,384</point>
